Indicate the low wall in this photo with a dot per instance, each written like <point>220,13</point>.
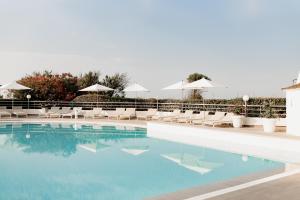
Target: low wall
<point>255,121</point>
<point>263,146</point>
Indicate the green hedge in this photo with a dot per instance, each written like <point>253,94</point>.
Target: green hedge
<point>236,101</point>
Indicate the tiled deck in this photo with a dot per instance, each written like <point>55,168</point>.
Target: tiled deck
<point>285,188</point>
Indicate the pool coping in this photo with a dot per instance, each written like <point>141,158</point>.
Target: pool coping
<point>246,185</point>
<point>73,121</point>
<point>189,193</point>
<point>285,150</point>
<point>216,189</point>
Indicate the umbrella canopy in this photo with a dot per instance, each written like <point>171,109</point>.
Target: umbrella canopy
<point>135,88</point>
<point>176,86</point>
<point>14,86</point>
<point>201,84</point>
<point>96,88</point>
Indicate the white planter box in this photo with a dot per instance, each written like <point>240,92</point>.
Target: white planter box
<point>269,125</point>
<point>238,121</point>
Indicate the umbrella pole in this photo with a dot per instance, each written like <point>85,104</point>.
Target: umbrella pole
<point>182,100</point>
<point>203,101</point>
<point>97,99</point>
<point>135,99</point>
<point>12,102</point>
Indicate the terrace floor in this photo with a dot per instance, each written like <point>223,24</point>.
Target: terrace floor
<point>285,188</point>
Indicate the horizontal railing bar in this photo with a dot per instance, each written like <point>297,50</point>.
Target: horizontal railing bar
<point>252,110</point>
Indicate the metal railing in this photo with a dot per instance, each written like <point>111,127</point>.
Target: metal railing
<point>252,110</point>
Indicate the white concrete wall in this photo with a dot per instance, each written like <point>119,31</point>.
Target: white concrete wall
<point>262,146</point>
<point>256,121</point>
<point>293,112</point>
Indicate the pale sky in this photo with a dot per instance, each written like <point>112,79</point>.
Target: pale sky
<point>252,46</point>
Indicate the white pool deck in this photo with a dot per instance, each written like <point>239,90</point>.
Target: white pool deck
<point>246,141</point>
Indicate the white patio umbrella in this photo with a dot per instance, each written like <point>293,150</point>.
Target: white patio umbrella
<point>177,86</point>
<point>96,88</point>
<point>135,88</point>
<point>202,84</point>
<point>14,86</point>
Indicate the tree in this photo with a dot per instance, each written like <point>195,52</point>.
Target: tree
<point>196,76</point>
<point>118,82</point>
<point>196,94</point>
<point>88,79</point>
<point>49,86</point>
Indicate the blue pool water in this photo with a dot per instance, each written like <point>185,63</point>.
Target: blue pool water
<point>85,162</point>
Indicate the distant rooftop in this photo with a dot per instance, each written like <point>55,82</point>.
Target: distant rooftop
<point>296,86</point>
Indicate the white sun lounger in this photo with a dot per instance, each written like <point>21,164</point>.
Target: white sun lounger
<point>128,114</point>
<point>116,114</point>
<point>54,111</point>
<point>59,113</point>
<point>95,113</point>
<point>147,115</point>
<point>4,112</point>
<point>19,112</point>
<point>185,117</point>
<point>72,113</point>
<point>227,119</point>
<point>171,116</point>
<point>212,118</point>
<point>200,118</point>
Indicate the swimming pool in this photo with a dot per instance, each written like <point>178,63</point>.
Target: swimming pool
<point>67,161</point>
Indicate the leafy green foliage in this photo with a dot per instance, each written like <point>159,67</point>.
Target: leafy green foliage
<point>268,110</point>
<point>237,109</point>
<point>118,82</point>
<point>196,76</point>
<point>88,79</point>
<point>196,94</point>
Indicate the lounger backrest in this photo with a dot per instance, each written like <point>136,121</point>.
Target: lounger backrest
<point>130,110</point>
<point>188,113</point>
<point>203,114</point>
<point>17,107</point>
<point>97,110</point>
<point>54,108</point>
<point>78,108</point>
<point>2,107</point>
<point>120,110</point>
<point>176,112</point>
<point>65,108</point>
<point>217,116</point>
<point>220,114</point>
<point>228,117</point>
<point>152,111</point>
